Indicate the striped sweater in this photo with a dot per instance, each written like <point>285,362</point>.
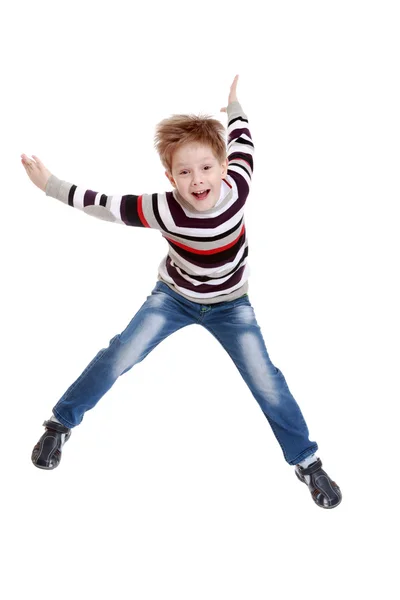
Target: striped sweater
<point>207,253</point>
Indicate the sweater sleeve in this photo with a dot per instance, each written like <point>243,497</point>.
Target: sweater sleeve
<point>136,211</point>
<point>240,148</point>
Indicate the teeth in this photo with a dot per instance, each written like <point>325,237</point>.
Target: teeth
<point>202,192</point>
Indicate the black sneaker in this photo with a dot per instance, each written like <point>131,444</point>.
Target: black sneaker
<point>47,452</point>
<point>325,492</point>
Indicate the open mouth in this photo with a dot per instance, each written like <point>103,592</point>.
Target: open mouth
<point>202,195</point>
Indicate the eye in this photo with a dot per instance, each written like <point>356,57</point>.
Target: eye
<point>206,167</point>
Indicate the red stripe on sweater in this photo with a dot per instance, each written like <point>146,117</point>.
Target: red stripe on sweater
<point>140,211</point>
<point>204,252</point>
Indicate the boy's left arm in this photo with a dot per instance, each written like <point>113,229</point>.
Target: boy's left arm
<point>240,144</point>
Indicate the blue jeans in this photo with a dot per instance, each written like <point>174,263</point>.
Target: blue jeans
<point>233,324</point>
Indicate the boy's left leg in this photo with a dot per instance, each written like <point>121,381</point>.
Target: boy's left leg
<point>235,326</point>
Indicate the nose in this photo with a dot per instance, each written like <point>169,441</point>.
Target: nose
<point>197,179</point>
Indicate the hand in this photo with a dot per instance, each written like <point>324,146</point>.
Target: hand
<point>232,93</point>
<point>36,170</point>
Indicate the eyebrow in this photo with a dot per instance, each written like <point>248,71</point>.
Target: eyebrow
<point>179,165</point>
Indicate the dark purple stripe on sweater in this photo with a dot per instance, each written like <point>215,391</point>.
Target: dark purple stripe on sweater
<point>204,288</point>
<point>181,220</point>
<point>236,133</point>
<point>204,278</point>
<point>212,238</point>
<point>89,198</point>
<point>242,156</point>
<point>129,211</point>
<point>242,185</point>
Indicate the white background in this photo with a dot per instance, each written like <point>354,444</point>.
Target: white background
<point>174,485</point>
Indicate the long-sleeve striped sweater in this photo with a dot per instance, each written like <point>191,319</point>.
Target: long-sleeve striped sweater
<point>207,255</point>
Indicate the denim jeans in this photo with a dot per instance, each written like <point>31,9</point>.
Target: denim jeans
<point>233,324</point>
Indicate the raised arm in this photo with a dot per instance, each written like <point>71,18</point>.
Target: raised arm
<point>136,211</point>
<point>240,143</point>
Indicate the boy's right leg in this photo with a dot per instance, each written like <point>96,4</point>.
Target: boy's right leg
<point>160,316</point>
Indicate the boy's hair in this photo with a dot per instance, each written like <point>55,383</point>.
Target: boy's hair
<point>178,130</point>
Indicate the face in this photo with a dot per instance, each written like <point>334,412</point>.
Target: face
<point>195,169</point>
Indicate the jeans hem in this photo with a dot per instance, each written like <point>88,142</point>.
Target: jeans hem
<point>62,420</point>
<point>303,455</point>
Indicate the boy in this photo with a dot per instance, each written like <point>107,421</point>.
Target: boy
<point>203,280</point>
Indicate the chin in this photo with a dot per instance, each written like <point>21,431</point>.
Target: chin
<point>201,207</point>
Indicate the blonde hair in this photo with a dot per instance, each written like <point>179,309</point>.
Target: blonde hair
<point>175,131</point>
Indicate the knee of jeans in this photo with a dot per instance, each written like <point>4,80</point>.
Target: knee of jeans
<point>116,337</point>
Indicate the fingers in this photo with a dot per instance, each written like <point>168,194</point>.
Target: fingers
<point>31,164</point>
<point>232,91</point>
<point>234,84</point>
<point>32,169</point>
<point>26,162</point>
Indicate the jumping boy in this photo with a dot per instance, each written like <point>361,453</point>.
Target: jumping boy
<point>203,279</point>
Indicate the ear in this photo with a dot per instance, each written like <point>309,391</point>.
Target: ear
<point>225,168</point>
<point>170,178</point>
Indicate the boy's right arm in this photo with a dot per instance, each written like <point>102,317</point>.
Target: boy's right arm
<point>136,211</point>
<point>126,210</point>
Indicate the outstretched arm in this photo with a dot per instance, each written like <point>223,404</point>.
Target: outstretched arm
<point>136,211</point>
<point>240,143</point>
